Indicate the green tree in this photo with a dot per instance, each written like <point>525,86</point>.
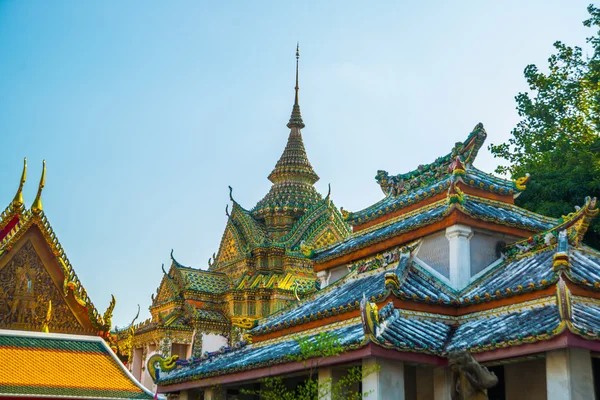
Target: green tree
<point>556,141</point>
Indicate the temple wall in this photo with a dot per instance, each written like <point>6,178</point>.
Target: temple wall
<point>212,342</point>
<point>526,380</point>
<point>146,378</point>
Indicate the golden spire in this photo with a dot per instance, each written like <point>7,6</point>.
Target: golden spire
<point>37,203</point>
<point>297,59</point>
<point>296,118</point>
<point>18,200</point>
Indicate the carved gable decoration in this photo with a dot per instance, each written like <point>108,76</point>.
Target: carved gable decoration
<point>318,228</point>
<point>26,288</point>
<point>325,238</point>
<point>167,291</point>
<point>230,249</point>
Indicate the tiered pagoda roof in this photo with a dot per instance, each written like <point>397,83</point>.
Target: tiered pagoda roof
<point>291,213</point>
<point>293,176</point>
<point>541,293</point>
<point>38,365</point>
<point>260,266</point>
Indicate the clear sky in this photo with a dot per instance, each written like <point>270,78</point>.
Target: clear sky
<point>147,110</point>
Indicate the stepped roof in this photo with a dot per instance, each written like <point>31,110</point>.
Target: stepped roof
<point>427,181</point>
<point>63,366</point>
<point>478,208</point>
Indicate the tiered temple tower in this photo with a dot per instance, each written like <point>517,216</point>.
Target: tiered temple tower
<point>261,265</point>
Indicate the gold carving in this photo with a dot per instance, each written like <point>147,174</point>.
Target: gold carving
<point>26,289</point>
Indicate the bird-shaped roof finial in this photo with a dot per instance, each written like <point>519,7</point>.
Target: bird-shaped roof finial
<point>18,200</point>
<point>36,207</point>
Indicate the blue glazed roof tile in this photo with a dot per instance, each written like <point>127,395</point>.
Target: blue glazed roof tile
<point>517,275</point>
<point>586,316</point>
<point>409,333</point>
<point>584,265</point>
<point>476,207</point>
<point>407,222</point>
<point>255,356</point>
<point>514,326</point>
<point>506,214</point>
<point>418,284</point>
<point>346,293</point>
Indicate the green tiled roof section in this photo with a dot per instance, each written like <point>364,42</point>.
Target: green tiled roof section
<point>72,392</point>
<point>53,344</point>
<point>210,315</point>
<point>204,281</point>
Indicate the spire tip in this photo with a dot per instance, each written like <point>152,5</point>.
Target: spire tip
<point>37,203</point>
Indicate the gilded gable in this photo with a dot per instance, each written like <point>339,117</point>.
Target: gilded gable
<point>26,288</point>
<point>230,247</point>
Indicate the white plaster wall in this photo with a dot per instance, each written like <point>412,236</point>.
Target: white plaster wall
<point>526,380</point>
<point>337,273</point>
<point>136,364</point>
<point>146,378</point>
<point>212,342</point>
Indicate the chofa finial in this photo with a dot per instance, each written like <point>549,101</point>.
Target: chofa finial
<point>37,203</point>
<point>18,200</point>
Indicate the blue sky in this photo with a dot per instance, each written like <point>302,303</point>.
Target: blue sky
<point>146,111</point>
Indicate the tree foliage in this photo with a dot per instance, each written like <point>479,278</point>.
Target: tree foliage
<point>556,141</point>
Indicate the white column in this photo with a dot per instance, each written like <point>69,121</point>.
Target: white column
<point>442,383</point>
<point>322,277</point>
<point>386,383</point>
<point>459,237</point>
<point>325,383</point>
<point>214,393</point>
<point>569,375</point>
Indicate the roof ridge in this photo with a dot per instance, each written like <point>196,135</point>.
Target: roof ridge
<point>466,151</point>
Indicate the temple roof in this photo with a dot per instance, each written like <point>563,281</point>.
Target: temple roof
<point>426,181</point>
<point>421,314</point>
<point>479,208</point>
<point>250,356</point>
<point>17,220</point>
<point>63,366</point>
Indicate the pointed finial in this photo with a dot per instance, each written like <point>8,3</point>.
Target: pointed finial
<point>297,61</point>
<point>227,210</point>
<point>172,258</point>
<point>165,272</point>
<point>231,193</point>
<point>296,118</point>
<point>37,203</point>
<point>18,200</point>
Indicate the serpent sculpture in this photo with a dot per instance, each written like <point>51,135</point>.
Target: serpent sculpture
<point>472,378</point>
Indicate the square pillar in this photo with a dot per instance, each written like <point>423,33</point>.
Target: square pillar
<point>184,395</point>
<point>459,238</point>
<point>325,383</point>
<point>387,383</point>
<point>214,393</point>
<point>323,277</point>
<point>569,375</point>
<point>442,383</point>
